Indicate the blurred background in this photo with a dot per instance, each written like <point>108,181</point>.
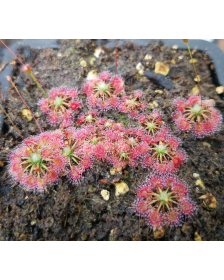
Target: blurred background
<point>218,42</point>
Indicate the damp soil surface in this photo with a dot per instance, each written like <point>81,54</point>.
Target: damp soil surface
<point>68,212</point>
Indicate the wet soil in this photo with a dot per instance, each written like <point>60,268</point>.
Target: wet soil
<point>67,212</point>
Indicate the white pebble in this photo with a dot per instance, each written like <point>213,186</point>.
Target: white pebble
<point>105,194</point>
<point>121,188</point>
<point>140,68</point>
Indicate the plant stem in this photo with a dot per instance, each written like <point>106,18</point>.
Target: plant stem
<point>14,126</point>
<point>116,56</point>
<point>194,70</point>
<point>12,122</point>
<point>38,84</point>
<point>19,60</point>
<point>26,105</point>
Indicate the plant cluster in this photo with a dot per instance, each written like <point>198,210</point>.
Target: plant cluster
<point>69,151</point>
<point>150,144</point>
